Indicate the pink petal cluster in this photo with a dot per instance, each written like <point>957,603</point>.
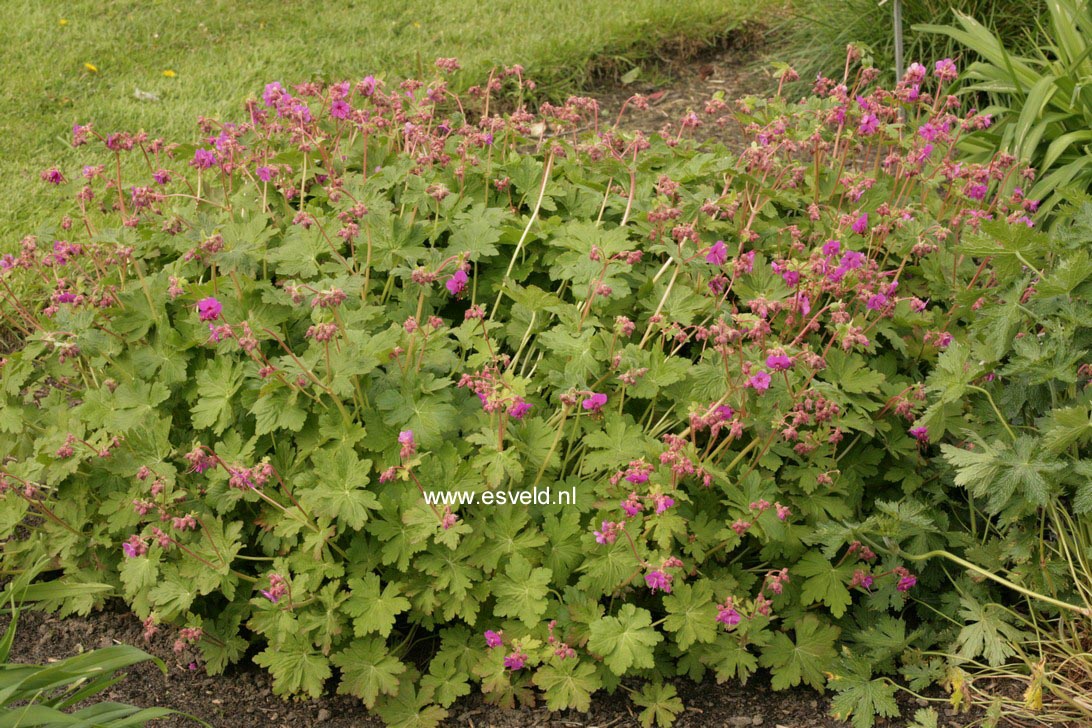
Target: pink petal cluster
<point>209,309</point>
<point>595,402</point>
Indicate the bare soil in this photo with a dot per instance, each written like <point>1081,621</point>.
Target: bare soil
<point>243,697</point>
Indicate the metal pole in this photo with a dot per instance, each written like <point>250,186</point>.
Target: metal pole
<point>897,12</point>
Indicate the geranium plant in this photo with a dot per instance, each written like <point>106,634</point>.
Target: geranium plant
<point>251,365</point>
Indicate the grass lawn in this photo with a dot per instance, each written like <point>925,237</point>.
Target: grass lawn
<point>84,61</point>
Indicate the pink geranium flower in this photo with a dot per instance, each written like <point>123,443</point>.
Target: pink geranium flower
<point>209,309</point>
<point>717,254</point>
<point>658,581</point>
<point>760,382</point>
<point>595,402</point>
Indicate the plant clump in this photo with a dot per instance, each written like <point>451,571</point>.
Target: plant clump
<point>252,366</point>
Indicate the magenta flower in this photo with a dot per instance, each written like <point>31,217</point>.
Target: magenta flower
<point>203,159</point>
<point>340,110</point>
<point>409,446</point>
<point>851,260</point>
<point>831,248</point>
<point>456,284</point>
<point>907,583</point>
<point>727,614</point>
<point>278,587</point>
<point>760,381</point>
<point>724,412</point>
<point>717,254</point>
<point>493,639</point>
<point>861,578</point>
<point>658,580</point>
<point>860,225</point>
<point>946,70</point>
<point>209,309</point>
<point>519,409</point>
<point>778,362</point>
<point>53,176</point>
<point>609,532</point>
<point>595,402</point>
<point>80,133</point>
<point>921,434</point>
<point>273,93</point>
<point>977,191</point>
<point>663,502</point>
<point>134,547</point>
<point>869,125</point>
<point>264,173</point>
<point>449,519</point>
<point>915,74</point>
<point>515,661</point>
<point>876,301</point>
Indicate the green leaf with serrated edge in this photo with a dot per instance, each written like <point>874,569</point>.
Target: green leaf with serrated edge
<point>607,568</point>
<point>337,487</point>
<point>276,409</point>
<point>217,384</point>
<point>172,596</point>
<point>368,670</point>
<point>924,718</point>
<point>804,659</point>
<point>661,704</point>
<point>446,681</point>
<point>859,698</point>
<point>568,684</point>
<point>619,435</point>
<point>1066,426</point>
<point>410,707</point>
<point>521,592</point>
<point>475,231</point>
<point>920,675</point>
<point>373,610</point>
<point>730,659</point>
<point>625,640</point>
<point>511,535</point>
<point>296,666</point>
<point>985,633</point>
<point>222,646</point>
<point>691,614</point>
<point>826,582</point>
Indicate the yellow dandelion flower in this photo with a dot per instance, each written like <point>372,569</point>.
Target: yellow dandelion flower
<point>62,21</point>
<point>91,67</point>
<point>169,73</point>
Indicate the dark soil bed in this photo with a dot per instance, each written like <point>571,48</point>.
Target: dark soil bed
<point>243,697</point>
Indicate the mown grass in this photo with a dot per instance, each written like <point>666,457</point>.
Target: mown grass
<point>221,52</point>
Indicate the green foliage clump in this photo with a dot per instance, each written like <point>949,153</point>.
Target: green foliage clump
<point>1021,448</point>
<point>268,384</point>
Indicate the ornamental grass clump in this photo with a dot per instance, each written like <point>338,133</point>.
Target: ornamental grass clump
<point>264,378</point>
